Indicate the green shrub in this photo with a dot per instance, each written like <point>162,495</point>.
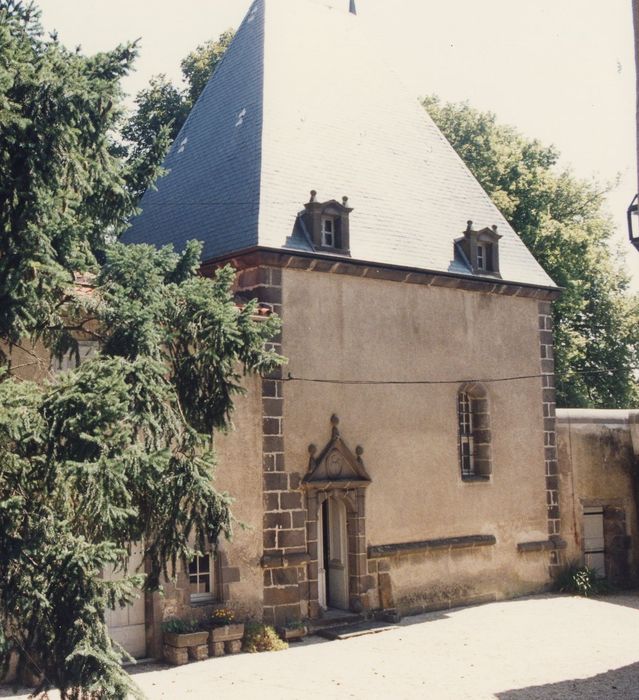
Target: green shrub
<point>258,637</point>
<point>180,626</point>
<point>580,579</point>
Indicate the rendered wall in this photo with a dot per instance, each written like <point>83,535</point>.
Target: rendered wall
<point>598,467</point>
<point>238,564</point>
<point>344,328</point>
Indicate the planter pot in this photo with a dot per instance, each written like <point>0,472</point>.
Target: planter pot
<point>226,639</point>
<point>188,639</point>
<point>288,634</point>
<point>228,633</point>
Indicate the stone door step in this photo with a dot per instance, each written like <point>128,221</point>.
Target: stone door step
<point>335,619</point>
<point>349,631</point>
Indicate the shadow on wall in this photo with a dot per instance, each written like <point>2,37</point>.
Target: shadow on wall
<point>620,683</point>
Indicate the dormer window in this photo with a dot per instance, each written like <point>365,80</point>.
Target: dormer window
<point>327,225</point>
<point>480,250</point>
<point>328,232</point>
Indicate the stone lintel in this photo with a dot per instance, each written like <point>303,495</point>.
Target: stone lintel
<point>340,484</point>
<point>389,550</point>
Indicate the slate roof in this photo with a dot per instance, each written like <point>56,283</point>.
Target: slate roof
<point>302,100</point>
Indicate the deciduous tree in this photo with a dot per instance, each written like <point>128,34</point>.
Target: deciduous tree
<point>563,222</point>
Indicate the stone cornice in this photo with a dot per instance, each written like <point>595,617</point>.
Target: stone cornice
<point>301,260</point>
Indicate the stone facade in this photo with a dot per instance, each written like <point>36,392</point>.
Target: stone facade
<point>417,536</point>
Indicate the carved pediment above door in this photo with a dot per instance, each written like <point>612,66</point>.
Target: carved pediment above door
<point>336,466</point>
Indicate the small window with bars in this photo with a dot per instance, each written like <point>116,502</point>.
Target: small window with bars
<point>466,439</point>
<point>201,579</point>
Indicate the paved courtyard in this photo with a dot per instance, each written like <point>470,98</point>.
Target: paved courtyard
<point>540,647</point>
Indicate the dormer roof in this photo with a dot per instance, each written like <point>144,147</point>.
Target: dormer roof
<point>302,100</point>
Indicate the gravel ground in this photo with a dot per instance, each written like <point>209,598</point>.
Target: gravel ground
<point>528,649</point>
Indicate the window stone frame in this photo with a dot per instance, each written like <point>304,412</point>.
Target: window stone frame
<point>481,432</point>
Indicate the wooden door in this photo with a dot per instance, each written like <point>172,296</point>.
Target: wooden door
<point>127,625</point>
<point>337,565</point>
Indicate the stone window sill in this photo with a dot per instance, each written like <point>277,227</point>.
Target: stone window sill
<point>477,478</point>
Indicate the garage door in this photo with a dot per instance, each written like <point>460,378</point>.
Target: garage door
<point>126,625</point>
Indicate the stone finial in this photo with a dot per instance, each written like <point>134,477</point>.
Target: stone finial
<point>469,226</point>
<point>335,423</point>
<point>313,195</point>
<point>345,201</point>
<point>494,228</point>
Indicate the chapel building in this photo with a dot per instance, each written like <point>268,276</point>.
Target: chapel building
<point>404,458</point>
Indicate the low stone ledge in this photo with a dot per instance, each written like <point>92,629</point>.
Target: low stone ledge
<point>542,545</point>
<point>468,541</point>
<point>279,561</point>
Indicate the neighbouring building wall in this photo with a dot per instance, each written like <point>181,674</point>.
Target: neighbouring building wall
<point>431,539</point>
<point>237,565</point>
<point>28,361</point>
<point>598,472</point>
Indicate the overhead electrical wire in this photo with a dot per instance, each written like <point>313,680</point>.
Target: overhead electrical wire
<point>465,380</point>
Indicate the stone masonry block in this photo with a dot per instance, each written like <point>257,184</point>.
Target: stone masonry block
<point>291,538</point>
<point>281,596</point>
<point>274,521</point>
<point>233,647</point>
<point>298,518</point>
<point>284,577</point>
<point>275,481</point>
<point>177,656</point>
<point>216,648</point>
<point>199,653</point>
<point>272,426</point>
<point>291,500</point>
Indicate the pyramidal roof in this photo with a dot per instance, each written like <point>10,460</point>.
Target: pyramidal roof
<point>302,101</point>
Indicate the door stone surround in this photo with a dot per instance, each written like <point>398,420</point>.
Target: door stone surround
<point>339,473</point>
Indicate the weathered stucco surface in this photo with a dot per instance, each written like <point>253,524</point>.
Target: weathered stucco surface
<point>598,468</point>
<point>238,570</point>
<point>239,455</point>
<point>343,328</point>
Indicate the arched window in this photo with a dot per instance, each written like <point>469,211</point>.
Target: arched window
<point>473,421</point>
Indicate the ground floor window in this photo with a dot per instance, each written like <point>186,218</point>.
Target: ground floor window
<point>201,578</point>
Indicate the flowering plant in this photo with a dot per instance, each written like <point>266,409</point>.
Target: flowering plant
<point>221,617</point>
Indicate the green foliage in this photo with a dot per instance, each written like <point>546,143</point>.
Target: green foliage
<point>162,108</point>
<point>561,220</point>
<point>64,190</point>
<point>201,63</point>
<point>580,579</point>
<point>177,625</point>
<point>118,451</point>
<point>259,637</point>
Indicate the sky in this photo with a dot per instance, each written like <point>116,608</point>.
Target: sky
<point>561,71</point>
